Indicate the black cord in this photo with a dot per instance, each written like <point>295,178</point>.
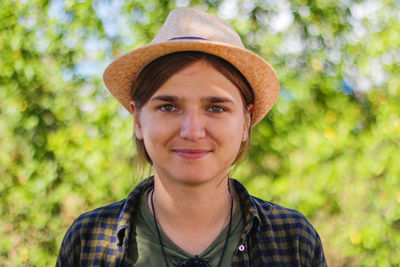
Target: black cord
<point>229,228</point>
<point>158,230</point>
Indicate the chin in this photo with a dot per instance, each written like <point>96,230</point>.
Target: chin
<point>196,178</point>
<point>193,179</point>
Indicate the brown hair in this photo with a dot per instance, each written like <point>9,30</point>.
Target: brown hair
<point>157,72</point>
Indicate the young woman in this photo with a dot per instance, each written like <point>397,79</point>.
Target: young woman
<point>194,92</point>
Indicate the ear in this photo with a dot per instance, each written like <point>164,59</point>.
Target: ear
<point>136,120</point>
<point>247,122</point>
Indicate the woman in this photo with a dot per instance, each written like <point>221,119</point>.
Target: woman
<point>194,92</point>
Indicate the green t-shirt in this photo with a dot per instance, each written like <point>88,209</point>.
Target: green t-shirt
<point>145,250</point>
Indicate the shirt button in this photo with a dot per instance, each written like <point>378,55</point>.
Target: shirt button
<point>241,248</point>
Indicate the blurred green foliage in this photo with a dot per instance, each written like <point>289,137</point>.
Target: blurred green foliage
<point>329,148</point>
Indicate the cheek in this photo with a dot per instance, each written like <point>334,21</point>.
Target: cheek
<point>150,125</point>
<point>231,135</point>
<point>157,135</point>
<point>153,133</point>
<point>150,130</point>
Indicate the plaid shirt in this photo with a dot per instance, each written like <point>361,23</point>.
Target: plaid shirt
<point>273,235</point>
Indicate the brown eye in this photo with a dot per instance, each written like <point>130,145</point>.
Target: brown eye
<point>168,108</point>
<point>216,109</point>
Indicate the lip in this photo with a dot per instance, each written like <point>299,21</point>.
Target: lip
<point>191,153</point>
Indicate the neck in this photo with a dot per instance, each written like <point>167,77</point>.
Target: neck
<point>188,212</point>
<point>179,200</point>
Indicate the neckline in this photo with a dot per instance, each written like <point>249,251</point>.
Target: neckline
<point>162,246</point>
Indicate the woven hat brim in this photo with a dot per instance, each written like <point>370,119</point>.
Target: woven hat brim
<point>120,74</point>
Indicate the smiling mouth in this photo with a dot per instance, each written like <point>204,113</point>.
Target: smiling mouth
<point>191,153</point>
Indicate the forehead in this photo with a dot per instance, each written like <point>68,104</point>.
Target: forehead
<point>199,78</point>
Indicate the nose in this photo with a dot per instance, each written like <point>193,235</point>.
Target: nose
<point>192,126</point>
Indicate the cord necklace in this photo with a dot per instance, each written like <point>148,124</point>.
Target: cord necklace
<point>193,262</point>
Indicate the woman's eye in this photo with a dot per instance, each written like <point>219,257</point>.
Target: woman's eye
<point>168,108</point>
<point>216,109</point>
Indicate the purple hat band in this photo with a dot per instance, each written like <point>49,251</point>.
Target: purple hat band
<point>188,38</point>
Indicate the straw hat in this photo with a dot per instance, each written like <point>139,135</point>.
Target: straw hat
<point>188,29</point>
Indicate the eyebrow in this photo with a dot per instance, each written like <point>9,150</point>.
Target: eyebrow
<point>165,98</point>
<point>215,99</point>
<point>208,99</point>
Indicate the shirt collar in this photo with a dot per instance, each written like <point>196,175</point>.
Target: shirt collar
<point>129,209</point>
<point>251,213</point>
<point>252,217</point>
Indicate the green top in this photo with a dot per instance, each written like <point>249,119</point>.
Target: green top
<point>272,236</point>
<point>145,250</point>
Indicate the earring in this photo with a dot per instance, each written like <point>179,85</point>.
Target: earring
<point>244,137</point>
<point>138,136</point>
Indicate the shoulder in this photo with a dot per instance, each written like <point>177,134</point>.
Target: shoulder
<point>282,218</point>
<point>277,213</point>
<point>289,230</point>
<point>90,229</point>
<point>108,218</point>
<point>104,217</point>
<point>100,233</point>
<point>273,217</point>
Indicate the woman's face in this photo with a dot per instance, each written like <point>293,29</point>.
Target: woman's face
<point>193,125</point>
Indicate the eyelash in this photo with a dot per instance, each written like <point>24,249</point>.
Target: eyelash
<point>172,108</point>
<point>220,109</point>
<point>167,106</point>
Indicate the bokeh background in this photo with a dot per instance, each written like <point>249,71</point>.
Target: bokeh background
<point>329,148</point>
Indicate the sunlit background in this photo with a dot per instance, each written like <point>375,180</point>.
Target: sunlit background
<point>329,148</point>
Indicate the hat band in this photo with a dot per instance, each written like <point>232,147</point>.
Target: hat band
<point>188,38</point>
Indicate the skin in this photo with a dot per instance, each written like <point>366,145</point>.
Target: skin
<point>192,128</point>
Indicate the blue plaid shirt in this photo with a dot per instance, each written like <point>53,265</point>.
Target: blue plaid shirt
<point>273,235</point>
